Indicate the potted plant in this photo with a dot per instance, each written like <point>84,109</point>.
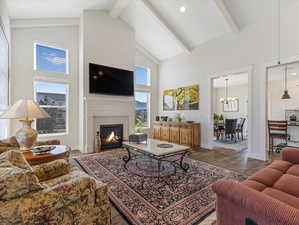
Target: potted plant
<point>216,118</point>
<point>179,117</point>
<point>221,119</point>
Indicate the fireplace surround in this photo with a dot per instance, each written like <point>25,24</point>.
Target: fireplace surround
<point>111,136</point>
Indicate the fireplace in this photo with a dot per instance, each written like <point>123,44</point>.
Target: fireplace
<point>111,136</point>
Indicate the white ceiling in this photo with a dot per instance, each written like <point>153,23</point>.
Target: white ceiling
<point>160,26</point>
<point>29,9</point>
<point>201,22</point>
<point>149,32</point>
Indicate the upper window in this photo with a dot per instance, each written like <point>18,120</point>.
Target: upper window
<point>52,97</point>
<point>142,76</point>
<point>50,59</point>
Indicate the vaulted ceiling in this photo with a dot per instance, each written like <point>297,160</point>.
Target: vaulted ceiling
<point>162,28</point>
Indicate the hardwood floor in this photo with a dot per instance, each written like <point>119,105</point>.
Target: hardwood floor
<point>237,161</point>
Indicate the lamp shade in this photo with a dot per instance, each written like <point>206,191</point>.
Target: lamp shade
<point>25,109</point>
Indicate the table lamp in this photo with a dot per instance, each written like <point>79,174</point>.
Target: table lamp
<point>26,111</point>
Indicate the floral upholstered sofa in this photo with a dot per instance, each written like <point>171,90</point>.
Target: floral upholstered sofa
<point>11,143</point>
<point>49,194</point>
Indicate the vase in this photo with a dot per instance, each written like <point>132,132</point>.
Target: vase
<point>26,136</point>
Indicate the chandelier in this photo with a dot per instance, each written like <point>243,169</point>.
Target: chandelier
<point>227,99</point>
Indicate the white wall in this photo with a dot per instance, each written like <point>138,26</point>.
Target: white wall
<point>254,45</point>
<point>110,42</point>
<point>277,106</point>
<point>23,75</point>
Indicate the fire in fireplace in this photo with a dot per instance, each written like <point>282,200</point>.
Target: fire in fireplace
<point>111,136</point>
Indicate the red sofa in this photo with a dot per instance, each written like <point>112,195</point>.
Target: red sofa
<point>269,197</point>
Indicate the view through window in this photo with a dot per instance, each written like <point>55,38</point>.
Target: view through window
<point>142,76</point>
<point>142,96</point>
<point>142,100</point>
<point>52,97</point>
<point>4,81</point>
<point>50,59</point>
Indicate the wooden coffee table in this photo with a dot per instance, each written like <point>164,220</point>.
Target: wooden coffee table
<point>59,152</point>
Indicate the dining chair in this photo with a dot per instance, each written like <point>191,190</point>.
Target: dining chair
<point>240,126</point>
<point>230,129</point>
<point>277,129</point>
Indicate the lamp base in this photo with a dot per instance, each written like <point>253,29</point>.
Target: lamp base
<point>26,136</point>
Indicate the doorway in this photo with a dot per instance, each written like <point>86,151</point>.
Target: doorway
<point>283,104</point>
<point>230,111</point>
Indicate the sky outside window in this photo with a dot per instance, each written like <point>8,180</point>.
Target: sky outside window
<point>46,87</point>
<point>141,76</point>
<point>50,59</point>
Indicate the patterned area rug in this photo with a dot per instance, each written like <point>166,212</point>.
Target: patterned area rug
<point>185,198</point>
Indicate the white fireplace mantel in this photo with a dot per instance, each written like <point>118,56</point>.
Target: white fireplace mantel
<point>107,110</point>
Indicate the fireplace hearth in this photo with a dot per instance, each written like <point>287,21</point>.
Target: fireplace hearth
<point>111,136</point>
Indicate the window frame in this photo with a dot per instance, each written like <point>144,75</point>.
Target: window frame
<point>50,46</point>
<point>148,107</point>
<point>145,89</point>
<point>66,107</point>
<point>149,79</point>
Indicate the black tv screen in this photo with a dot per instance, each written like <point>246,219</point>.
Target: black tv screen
<point>110,81</point>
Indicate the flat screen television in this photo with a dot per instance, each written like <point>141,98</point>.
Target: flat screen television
<point>110,81</point>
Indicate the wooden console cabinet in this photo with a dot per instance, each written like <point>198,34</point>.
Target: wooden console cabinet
<point>180,133</point>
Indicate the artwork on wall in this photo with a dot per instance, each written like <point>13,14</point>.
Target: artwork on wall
<point>186,98</point>
<point>192,97</point>
<point>180,98</point>
<point>231,106</point>
<point>169,100</point>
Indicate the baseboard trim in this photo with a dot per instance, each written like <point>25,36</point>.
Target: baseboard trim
<point>257,156</point>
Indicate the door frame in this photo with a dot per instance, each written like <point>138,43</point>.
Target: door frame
<point>266,67</point>
<point>249,71</point>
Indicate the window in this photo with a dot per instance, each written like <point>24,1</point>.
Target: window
<point>142,76</point>
<point>53,98</point>
<point>4,81</point>
<point>50,59</point>
<point>142,106</point>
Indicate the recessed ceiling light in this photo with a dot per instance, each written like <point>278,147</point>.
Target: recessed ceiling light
<point>182,9</point>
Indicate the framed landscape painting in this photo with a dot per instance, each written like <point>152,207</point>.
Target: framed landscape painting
<point>169,100</point>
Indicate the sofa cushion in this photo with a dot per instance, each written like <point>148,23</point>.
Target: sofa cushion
<point>266,176</point>
<point>14,158</point>
<point>15,182</point>
<point>9,142</point>
<point>294,170</point>
<point>254,185</point>
<point>16,176</point>
<point>51,170</point>
<point>280,165</point>
<point>282,196</point>
<point>289,184</point>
